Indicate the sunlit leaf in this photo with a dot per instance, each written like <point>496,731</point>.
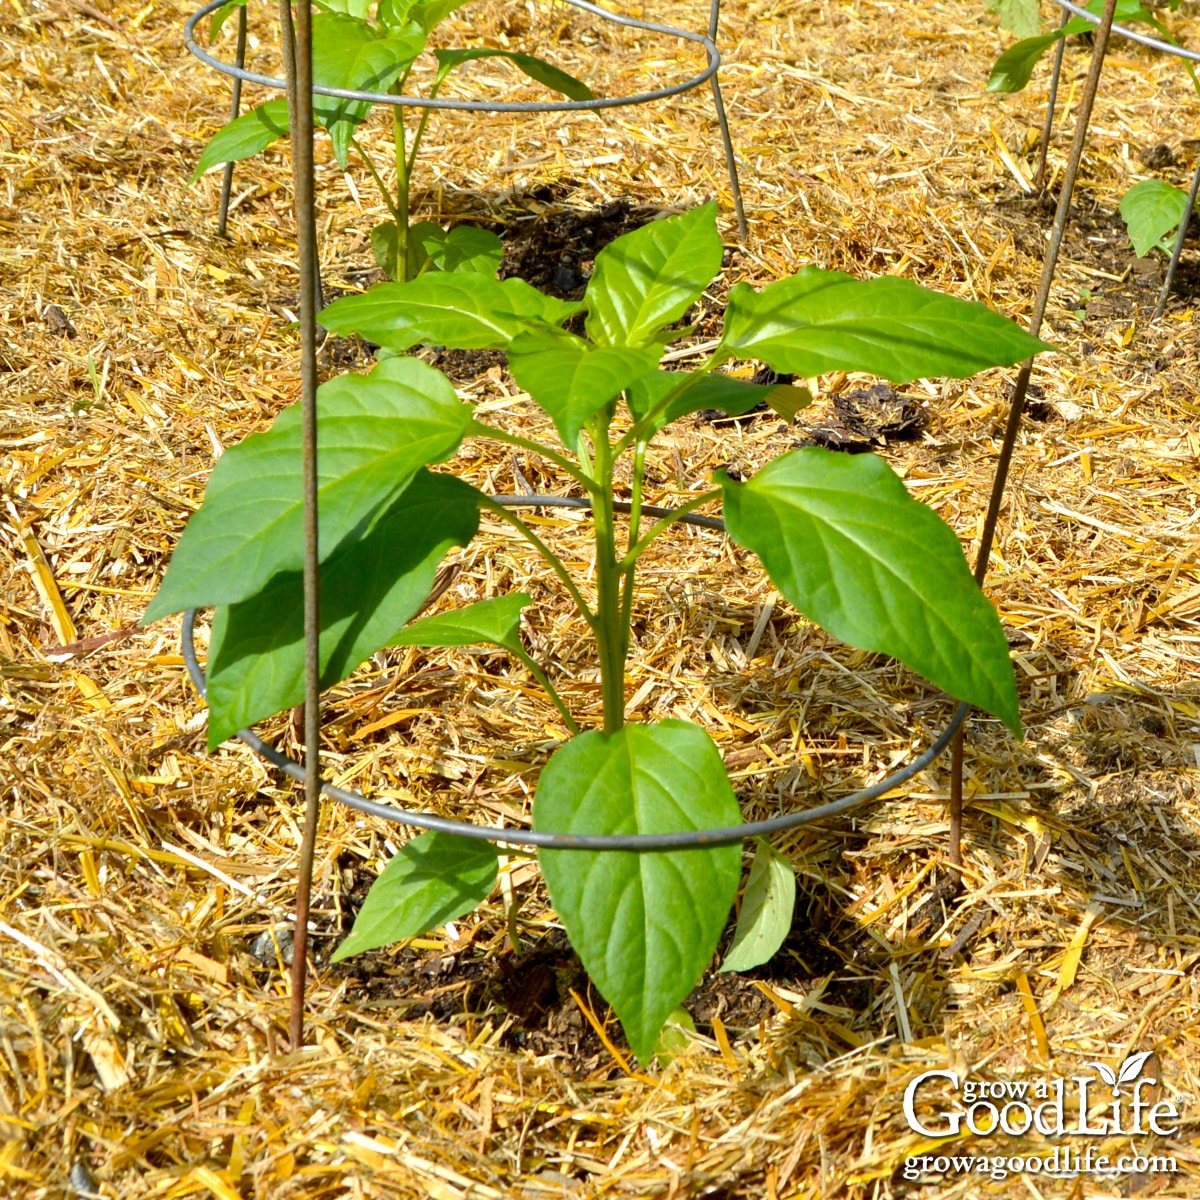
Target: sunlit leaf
<point>433,879</point>
<point>645,925</point>
<point>844,541</point>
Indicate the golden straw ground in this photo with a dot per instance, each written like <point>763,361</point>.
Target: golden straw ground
<point>140,1038</point>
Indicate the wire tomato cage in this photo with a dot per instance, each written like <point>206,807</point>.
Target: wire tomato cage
<point>706,40</point>
<point>297,36</point>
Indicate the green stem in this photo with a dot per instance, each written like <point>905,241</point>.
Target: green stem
<point>383,188</point>
<point>555,562</point>
<point>401,193</point>
<point>416,145</point>
<point>658,527</point>
<point>479,429</point>
<point>647,427</point>
<point>610,642</point>
<point>536,671</point>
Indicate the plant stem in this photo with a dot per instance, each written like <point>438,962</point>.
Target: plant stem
<point>402,176</point>
<point>555,562</point>
<point>665,523</point>
<point>479,429</point>
<point>646,428</point>
<point>383,189</point>
<point>416,145</point>
<point>536,671</point>
<point>610,641</point>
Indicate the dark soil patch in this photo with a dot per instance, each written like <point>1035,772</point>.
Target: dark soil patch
<point>537,990</point>
<point>556,251</point>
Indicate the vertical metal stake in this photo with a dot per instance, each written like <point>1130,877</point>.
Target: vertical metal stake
<point>234,109</point>
<point>297,43</point>
<point>735,184</point>
<point>1039,176</point>
<point>1017,406</point>
<point>1177,252</point>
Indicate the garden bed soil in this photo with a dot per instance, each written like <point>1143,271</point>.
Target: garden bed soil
<point>146,884</point>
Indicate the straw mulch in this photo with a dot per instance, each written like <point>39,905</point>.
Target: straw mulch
<point>143,1048</point>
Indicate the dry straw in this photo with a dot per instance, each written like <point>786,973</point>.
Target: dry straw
<point>140,1040</point>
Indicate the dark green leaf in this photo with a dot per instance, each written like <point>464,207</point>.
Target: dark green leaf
<point>465,312</point>
<point>370,587</point>
<point>765,919</point>
<point>820,321</point>
<point>844,541</point>
<point>572,379</point>
<point>650,277</point>
<point>734,397</point>
<point>1152,209</point>
<point>540,71</point>
<point>374,432</point>
<point>645,925</point>
<point>433,879</point>
<point>1012,70</point>
<point>497,622</point>
<point>352,54</point>
<point>245,137</point>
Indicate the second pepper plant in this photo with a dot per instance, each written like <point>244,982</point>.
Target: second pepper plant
<point>839,536</point>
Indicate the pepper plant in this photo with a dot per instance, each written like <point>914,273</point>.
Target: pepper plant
<point>1152,210</point>
<point>357,51</point>
<point>839,536</point>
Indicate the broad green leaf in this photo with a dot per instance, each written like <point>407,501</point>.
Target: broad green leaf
<point>395,14</point>
<point>370,586</point>
<point>734,397</point>
<point>1012,70</point>
<point>538,69</point>
<point>650,277</point>
<point>221,16</point>
<point>373,433</point>
<point>645,925</point>
<point>495,621</point>
<point>465,248</point>
<point>352,54</point>
<point>1152,209</point>
<point>432,13</point>
<point>464,312</point>
<point>385,246</point>
<point>820,321</point>
<point>767,905</point>
<point>1018,17</point>
<point>678,1033</point>
<point>572,379</point>
<point>244,137</point>
<point>352,8</point>
<point>433,879</point>
<point>844,541</point>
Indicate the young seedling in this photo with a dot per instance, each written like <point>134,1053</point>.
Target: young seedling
<point>839,536</point>
<point>358,52</point>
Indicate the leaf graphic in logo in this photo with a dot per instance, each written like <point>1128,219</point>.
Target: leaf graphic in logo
<point>1131,1068</point>
<point>1108,1075</point>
